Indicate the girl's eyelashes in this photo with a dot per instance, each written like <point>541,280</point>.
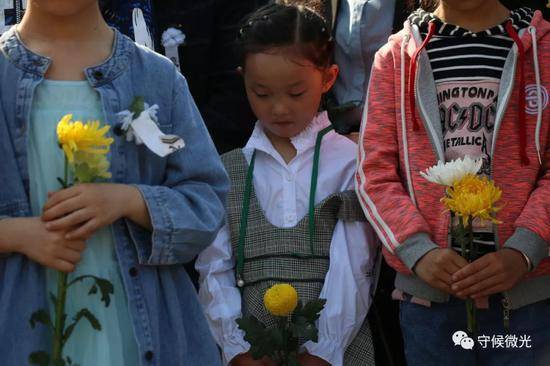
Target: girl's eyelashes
<point>260,95</point>
<point>296,95</point>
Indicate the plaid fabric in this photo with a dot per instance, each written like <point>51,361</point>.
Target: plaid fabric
<point>275,255</point>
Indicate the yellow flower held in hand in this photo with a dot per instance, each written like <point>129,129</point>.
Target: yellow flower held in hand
<point>473,196</point>
<point>86,137</point>
<point>281,300</point>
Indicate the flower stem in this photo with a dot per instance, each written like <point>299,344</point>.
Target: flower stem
<point>57,348</point>
<point>58,343</point>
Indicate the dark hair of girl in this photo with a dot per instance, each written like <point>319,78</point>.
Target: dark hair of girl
<point>298,25</point>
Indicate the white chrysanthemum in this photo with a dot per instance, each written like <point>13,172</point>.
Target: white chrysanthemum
<point>447,174</point>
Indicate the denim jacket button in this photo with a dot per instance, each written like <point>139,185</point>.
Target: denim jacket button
<point>133,271</point>
<point>149,355</point>
<point>98,75</point>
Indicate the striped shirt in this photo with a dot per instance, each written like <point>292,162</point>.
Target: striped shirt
<point>467,67</point>
<point>458,54</point>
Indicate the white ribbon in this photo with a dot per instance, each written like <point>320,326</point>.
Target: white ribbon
<point>144,130</point>
<point>172,38</point>
<point>142,35</point>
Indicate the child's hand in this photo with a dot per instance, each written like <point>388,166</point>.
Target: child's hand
<point>306,359</point>
<point>492,273</point>
<point>83,209</point>
<point>437,267</point>
<point>29,236</point>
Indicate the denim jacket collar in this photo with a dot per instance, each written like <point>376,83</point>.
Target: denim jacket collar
<point>27,60</point>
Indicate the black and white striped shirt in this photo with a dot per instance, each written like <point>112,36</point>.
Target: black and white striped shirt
<point>458,54</point>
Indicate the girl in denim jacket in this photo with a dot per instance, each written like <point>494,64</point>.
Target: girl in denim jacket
<point>136,230</point>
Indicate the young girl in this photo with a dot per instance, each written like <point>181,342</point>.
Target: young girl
<point>465,79</point>
<point>136,231</point>
<point>294,181</point>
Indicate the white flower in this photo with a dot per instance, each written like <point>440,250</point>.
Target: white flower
<point>447,174</point>
<point>172,37</point>
<point>126,118</point>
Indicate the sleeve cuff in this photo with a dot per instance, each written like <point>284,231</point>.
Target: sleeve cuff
<point>414,248</point>
<point>327,349</point>
<point>149,248</point>
<point>233,350</point>
<point>530,244</point>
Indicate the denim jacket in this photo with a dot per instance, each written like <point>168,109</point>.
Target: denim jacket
<point>184,193</point>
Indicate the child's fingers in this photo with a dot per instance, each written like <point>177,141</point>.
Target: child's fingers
<point>84,231</point>
<point>67,222</point>
<point>60,196</point>
<point>70,255</point>
<point>481,285</point>
<point>496,289</point>
<point>62,265</point>
<point>61,209</point>
<point>471,268</point>
<point>79,245</point>
<point>474,278</point>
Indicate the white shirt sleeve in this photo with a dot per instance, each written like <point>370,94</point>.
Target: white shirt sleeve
<point>219,296</point>
<point>347,289</point>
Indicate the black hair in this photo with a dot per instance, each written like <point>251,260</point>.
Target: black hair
<point>287,23</point>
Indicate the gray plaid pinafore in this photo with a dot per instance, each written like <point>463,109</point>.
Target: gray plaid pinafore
<point>282,255</point>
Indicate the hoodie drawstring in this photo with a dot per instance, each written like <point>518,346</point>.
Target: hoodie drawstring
<point>521,102</point>
<point>533,31</point>
<point>412,74</point>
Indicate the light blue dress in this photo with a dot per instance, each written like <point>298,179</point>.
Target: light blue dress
<point>115,344</point>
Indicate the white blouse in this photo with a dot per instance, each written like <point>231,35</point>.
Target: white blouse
<point>283,193</point>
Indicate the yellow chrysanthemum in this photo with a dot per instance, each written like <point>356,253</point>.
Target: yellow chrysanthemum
<point>281,300</point>
<point>473,196</point>
<point>86,137</point>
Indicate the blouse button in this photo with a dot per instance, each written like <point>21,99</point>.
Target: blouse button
<point>149,355</point>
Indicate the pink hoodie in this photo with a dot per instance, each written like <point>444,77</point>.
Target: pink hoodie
<point>405,209</point>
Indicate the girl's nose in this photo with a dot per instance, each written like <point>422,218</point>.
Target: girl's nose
<point>279,109</point>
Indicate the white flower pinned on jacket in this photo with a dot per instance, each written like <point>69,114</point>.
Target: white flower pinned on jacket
<point>172,38</point>
<point>145,130</point>
<point>447,174</point>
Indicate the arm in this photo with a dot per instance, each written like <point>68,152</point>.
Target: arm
<point>187,210</point>
<point>219,296</point>
<point>347,289</point>
<point>401,228</point>
<point>532,235</point>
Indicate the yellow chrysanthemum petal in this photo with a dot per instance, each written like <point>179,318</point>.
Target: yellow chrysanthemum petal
<point>473,196</point>
<point>281,299</point>
<point>85,144</point>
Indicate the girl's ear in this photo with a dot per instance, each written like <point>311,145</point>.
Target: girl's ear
<point>329,77</point>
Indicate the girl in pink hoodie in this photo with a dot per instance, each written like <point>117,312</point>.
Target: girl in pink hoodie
<point>463,78</point>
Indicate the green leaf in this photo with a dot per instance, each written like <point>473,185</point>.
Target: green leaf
<point>60,362</point>
<point>137,106</point>
<point>260,339</point>
<point>252,327</point>
<point>53,298</point>
<point>69,361</point>
<point>105,287</point>
<point>41,358</point>
<point>311,310</point>
<point>41,316</point>
<point>93,290</point>
<point>304,329</point>
<point>82,314</point>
